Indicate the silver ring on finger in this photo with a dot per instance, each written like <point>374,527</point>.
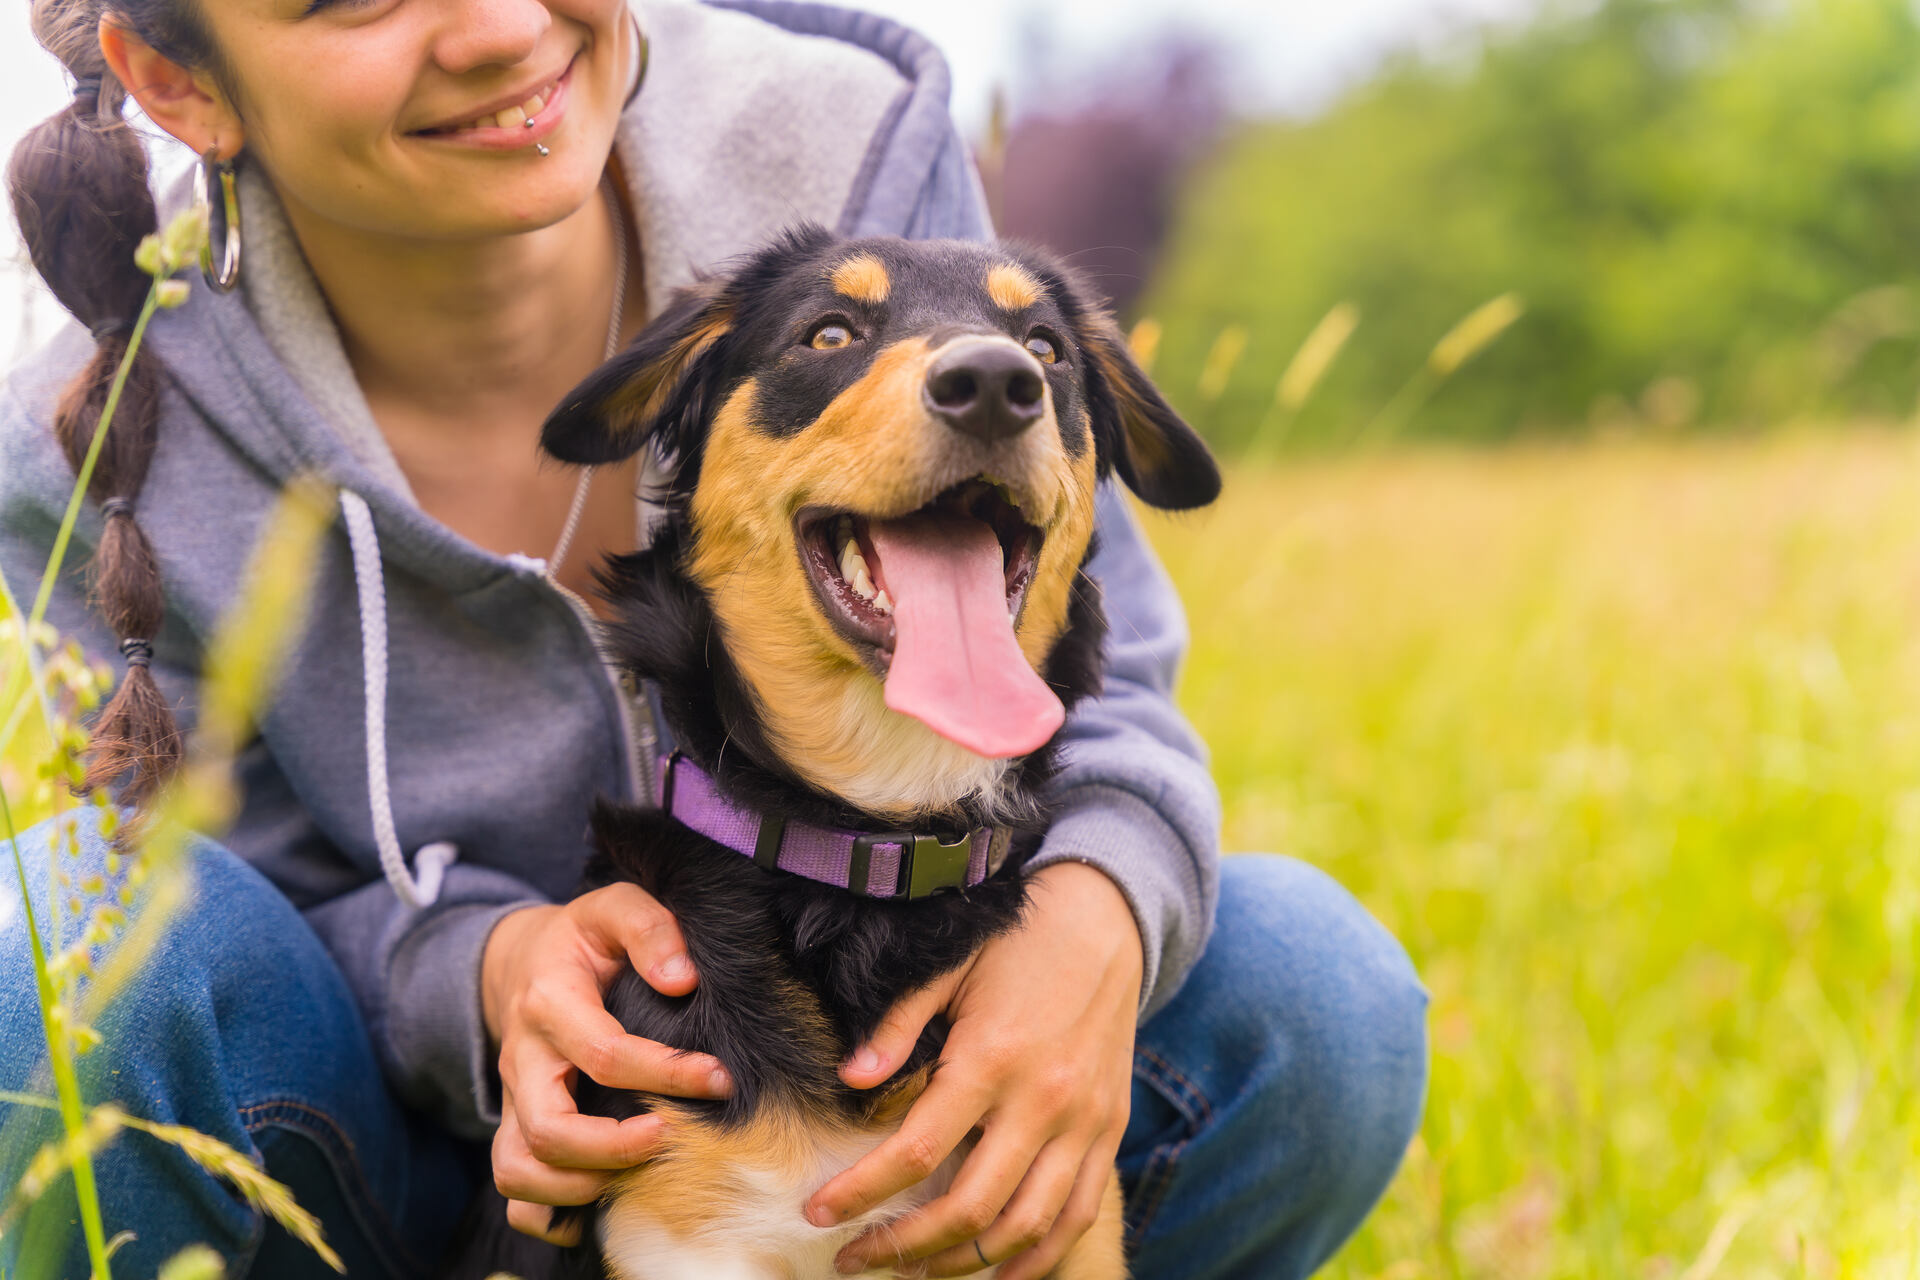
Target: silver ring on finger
<point>980,1253</point>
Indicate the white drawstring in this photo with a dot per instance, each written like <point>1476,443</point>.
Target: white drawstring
<point>432,859</point>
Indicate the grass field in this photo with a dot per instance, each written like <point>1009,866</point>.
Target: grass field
<point>1624,742</point>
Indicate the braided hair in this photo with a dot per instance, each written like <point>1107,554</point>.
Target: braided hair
<point>80,193</point>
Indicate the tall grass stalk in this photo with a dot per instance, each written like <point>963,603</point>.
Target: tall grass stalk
<point>240,667</point>
<point>1222,358</point>
<point>1474,333</point>
<point>66,1082</point>
<point>1302,374</point>
<point>161,255</point>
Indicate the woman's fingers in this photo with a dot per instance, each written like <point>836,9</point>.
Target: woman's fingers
<point>625,922</point>
<point>555,1133</point>
<point>934,1126</point>
<point>518,1174</point>
<point>1081,1212</point>
<point>536,1220</point>
<point>1028,1217</point>
<point>543,980</point>
<point>565,1010</point>
<point>892,1041</point>
<point>986,1182</point>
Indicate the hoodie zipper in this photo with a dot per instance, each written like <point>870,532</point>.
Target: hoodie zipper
<point>638,742</point>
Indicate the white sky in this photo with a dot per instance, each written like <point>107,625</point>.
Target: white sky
<point>1289,56</point>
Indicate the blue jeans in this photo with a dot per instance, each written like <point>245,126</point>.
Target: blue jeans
<point>1272,1099</point>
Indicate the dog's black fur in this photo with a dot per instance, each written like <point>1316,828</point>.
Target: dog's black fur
<point>749,930</point>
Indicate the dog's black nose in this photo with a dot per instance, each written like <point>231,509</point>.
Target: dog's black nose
<point>985,388</point>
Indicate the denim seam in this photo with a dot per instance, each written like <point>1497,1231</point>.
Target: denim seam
<point>340,1152</point>
<point>1196,1101</point>
<point>1162,1163</point>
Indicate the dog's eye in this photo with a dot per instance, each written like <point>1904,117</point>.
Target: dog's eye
<point>1042,344</point>
<point>831,337</point>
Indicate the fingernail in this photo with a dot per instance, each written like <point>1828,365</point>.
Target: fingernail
<point>820,1216</point>
<point>676,967</point>
<point>866,1059</point>
<point>849,1265</point>
<point>719,1081</point>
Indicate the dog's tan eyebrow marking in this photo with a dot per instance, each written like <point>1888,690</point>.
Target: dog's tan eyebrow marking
<point>863,278</point>
<point>1011,287</point>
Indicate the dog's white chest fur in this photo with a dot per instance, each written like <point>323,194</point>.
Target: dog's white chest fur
<point>757,1230</point>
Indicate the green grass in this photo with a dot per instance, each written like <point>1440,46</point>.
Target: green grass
<point>1623,741</point>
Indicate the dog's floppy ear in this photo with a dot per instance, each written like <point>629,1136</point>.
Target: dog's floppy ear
<point>1159,456</point>
<point>651,390</point>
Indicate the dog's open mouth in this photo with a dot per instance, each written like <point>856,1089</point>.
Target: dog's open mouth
<point>930,601</point>
<point>849,575</point>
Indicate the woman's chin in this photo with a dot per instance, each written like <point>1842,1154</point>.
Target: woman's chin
<point>502,194</point>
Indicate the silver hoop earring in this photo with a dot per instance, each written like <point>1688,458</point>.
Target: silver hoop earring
<point>223,222</point>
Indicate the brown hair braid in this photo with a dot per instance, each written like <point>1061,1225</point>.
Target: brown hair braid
<point>80,193</point>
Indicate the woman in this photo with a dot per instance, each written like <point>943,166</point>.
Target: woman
<point>450,210</point>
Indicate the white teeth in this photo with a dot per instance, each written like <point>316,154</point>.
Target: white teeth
<point>1013,615</point>
<point>883,602</point>
<point>853,567</point>
<point>513,116</point>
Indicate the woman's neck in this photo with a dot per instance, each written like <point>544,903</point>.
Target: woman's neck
<point>462,349</point>
<point>472,334</point>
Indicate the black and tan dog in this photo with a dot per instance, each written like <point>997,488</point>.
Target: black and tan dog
<point>865,615</point>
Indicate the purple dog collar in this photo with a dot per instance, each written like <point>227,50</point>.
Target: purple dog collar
<point>876,864</point>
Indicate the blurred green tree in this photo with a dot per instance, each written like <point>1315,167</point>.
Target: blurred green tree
<point>1711,210</point>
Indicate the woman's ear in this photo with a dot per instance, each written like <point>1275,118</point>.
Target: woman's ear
<point>652,390</point>
<point>187,104</point>
<point>1154,451</point>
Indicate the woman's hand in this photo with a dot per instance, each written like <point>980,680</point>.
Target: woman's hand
<point>1040,1057</point>
<point>543,983</point>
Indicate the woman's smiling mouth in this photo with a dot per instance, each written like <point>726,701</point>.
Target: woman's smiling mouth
<point>515,126</point>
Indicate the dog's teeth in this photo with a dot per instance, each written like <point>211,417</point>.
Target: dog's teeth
<point>883,602</point>
<point>853,569</point>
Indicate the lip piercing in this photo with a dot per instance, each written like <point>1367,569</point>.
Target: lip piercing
<point>541,148</point>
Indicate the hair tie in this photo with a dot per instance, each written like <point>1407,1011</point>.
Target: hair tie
<point>86,87</point>
<point>104,330</point>
<point>138,653</point>
<point>116,507</point>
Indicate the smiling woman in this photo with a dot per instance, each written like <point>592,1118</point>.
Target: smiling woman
<point>424,269</point>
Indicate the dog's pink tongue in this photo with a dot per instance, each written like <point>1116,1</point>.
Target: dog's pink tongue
<point>957,667</point>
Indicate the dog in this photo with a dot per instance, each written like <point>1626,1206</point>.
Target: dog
<point>865,616</point>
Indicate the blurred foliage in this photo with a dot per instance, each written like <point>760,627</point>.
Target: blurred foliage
<point>1710,211</point>
<point>1623,742</point>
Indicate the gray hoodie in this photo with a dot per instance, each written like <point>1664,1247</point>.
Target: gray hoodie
<point>501,722</point>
